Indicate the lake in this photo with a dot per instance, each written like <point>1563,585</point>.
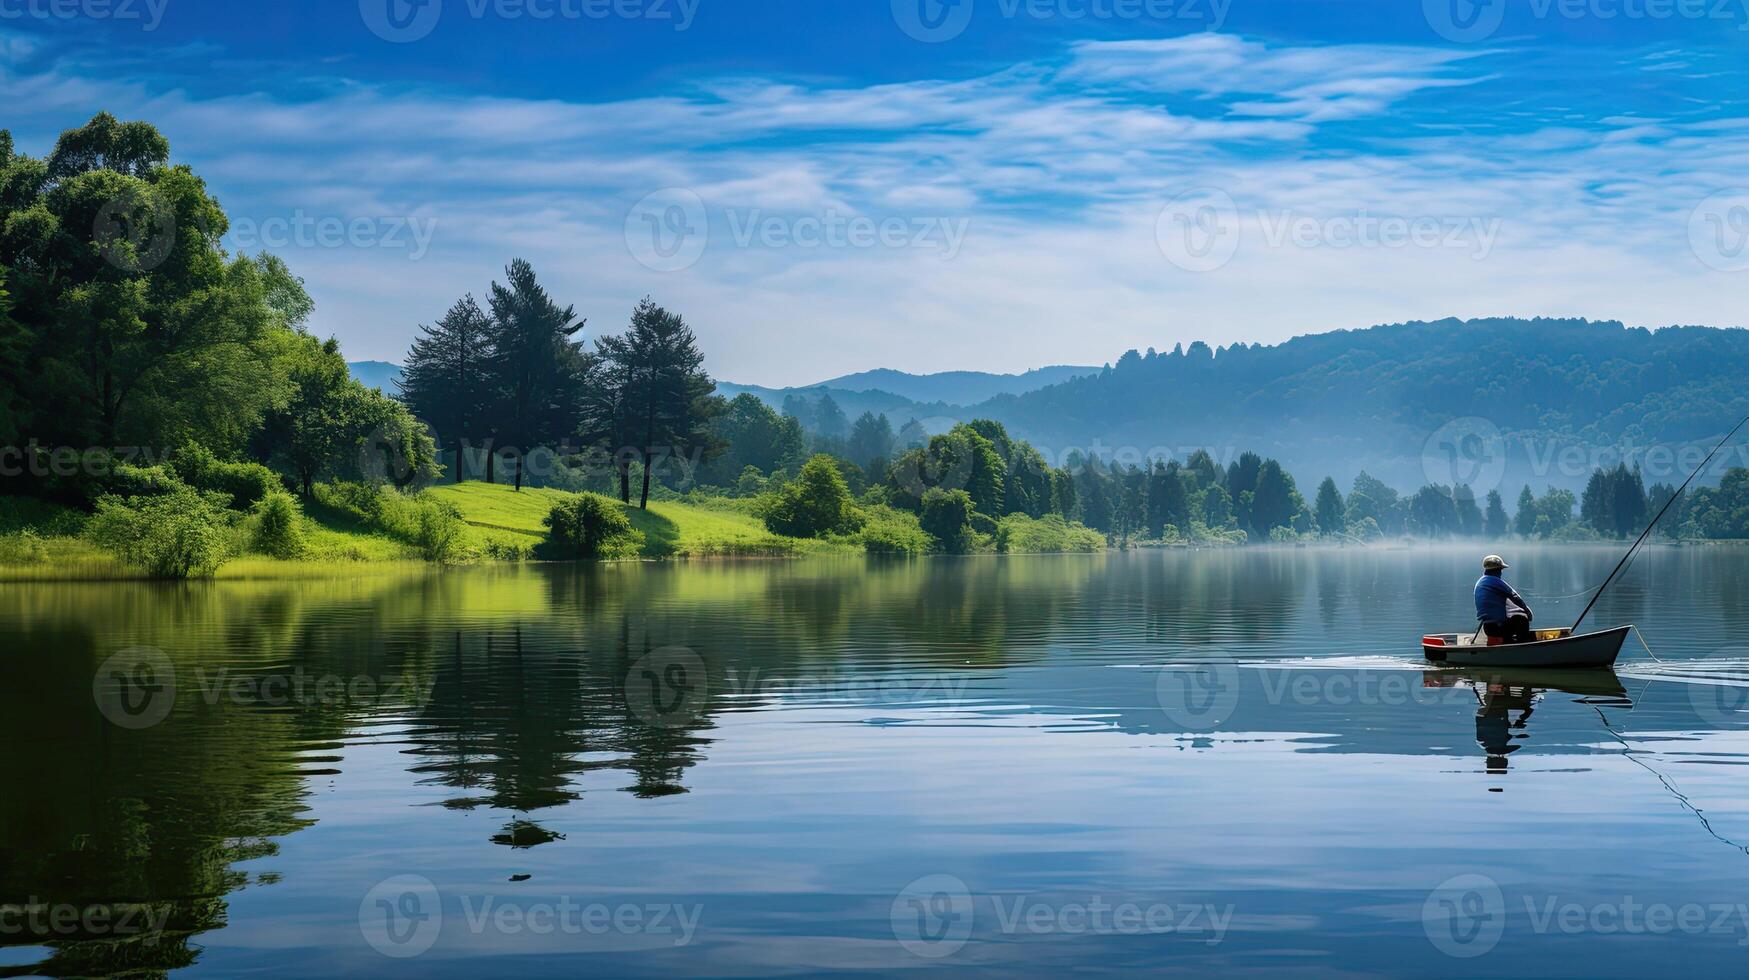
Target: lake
<point>1174,761</point>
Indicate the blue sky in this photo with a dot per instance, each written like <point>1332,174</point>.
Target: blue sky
<point>823,187</point>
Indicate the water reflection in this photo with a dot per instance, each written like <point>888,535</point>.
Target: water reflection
<point>1506,699</point>
<point>801,736</point>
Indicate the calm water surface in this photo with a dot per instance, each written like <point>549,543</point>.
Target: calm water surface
<point>1178,762</point>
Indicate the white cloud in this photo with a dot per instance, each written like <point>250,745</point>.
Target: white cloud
<point>1057,170</point>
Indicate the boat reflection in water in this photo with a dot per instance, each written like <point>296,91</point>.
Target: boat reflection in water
<point>1506,698</point>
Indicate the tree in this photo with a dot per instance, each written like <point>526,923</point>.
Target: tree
<point>1371,498</point>
<point>947,517</point>
<point>1331,512</point>
<point>1469,516</point>
<point>536,371</point>
<point>1433,512</point>
<point>445,380</point>
<point>816,503</point>
<point>752,434</point>
<point>1494,523</point>
<point>1525,521</point>
<point>1217,507</point>
<point>1167,503</point>
<point>137,329</point>
<point>669,398</point>
<point>871,438</point>
<point>1275,502</point>
<point>911,434</point>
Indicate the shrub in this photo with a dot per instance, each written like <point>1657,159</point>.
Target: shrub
<point>815,504</point>
<point>983,523</point>
<point>279,526</point>
<point>247,484</point>
<point>887,531</point>
<point>1020,534</point>
<point>127,480</point>
<point>428,524</point>
<point>947,518</point>
<point>23,548</point>
<point>590,527</point>
<point>176,534</point>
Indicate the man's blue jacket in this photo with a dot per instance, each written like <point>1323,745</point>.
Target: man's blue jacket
<point>1496,602</point>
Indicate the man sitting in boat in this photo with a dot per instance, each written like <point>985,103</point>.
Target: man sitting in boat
<point>1502,612</point>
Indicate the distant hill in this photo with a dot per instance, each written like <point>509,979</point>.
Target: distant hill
<point>937,416</point>
<point>1560,394</point>
<point>955,387</point>
<point>376,374</point>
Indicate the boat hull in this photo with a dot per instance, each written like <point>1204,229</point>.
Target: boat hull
<point>1585,650</point>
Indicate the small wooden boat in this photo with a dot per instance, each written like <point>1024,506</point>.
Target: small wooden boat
<point>1552,648</point>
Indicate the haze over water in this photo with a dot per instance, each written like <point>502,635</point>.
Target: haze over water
<point>965,765</point>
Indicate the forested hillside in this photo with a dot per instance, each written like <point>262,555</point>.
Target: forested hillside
<point>1372,399</point>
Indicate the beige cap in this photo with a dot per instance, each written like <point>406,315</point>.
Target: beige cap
<point>1494,561</point>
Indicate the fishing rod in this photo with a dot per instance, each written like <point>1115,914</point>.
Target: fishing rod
<point>1648,531</point>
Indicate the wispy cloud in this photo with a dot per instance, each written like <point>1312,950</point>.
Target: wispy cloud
<point>1057,170</point>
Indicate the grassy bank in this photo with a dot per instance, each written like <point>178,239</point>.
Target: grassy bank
<point>671,529</point>
<point>43,543</point>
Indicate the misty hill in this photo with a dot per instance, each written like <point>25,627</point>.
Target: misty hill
<point>376,374</point>
<point>955,387</point>
<point>937,416</point>
<point>1334,403</point>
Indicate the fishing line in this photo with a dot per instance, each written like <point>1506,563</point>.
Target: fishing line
<point>1625,559</point>
<point>1627,752</point>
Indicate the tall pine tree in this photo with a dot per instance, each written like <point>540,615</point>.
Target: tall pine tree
<point>445,381</point>
<point>538,371</point>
